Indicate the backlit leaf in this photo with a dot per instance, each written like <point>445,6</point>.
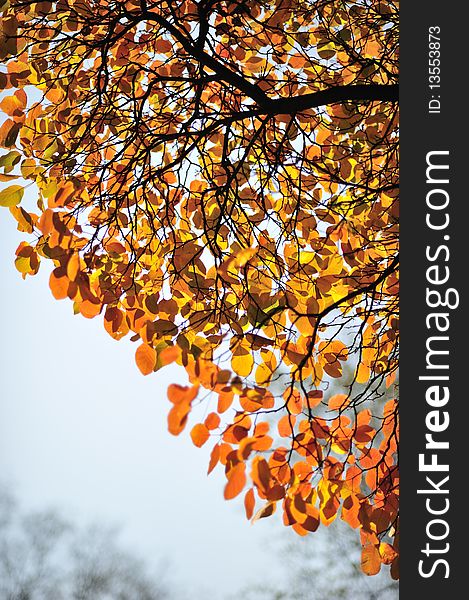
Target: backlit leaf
<point>236,481</point>
<point>145,357</point>
<point>11,196</point>
<point>249,503</point>
<point>370,560</point>
<point>266,511</point>
<point>199,434</point>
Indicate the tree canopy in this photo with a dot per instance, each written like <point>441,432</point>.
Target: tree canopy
<point>219,180</point>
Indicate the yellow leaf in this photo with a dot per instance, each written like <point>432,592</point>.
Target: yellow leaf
<point>363,373</point>
<point>11,196</point>
<point>263,374</point>
<point>242,361</point>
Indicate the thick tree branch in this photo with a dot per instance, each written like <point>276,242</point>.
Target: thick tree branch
<point>353,93</point>
<point>385,93</point>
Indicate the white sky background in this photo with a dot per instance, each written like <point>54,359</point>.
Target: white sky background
<point>83,431</point>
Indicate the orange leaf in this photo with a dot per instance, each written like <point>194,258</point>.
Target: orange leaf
<point>261,428</point>
<point>263,443</point>
<point>177,418</point>
<point>225,450</point>
<point>8,133</point>
<point>90,309</point>
<point>387,552</point>
<point>261,474</point>
<point>212,421</point>
<point>350,511</point>
<point>364,434</point>
<point>225,400</point>
<point>178,394</point>
<point>73,266</point>
<point>314,398</point>
<point>339,401</point>
<point>64,194</point>
<point>169,355</point>
<point>145,357</point>
<point>370,560</point>
<point>236,481</point>
<point>364,417</point>
<point>199,434</point>
<point>294,401</point>
<point>58,285</point>
<point>11,106</point>
<point>285,425</point>
<point>45,222</point>
<point>363,373</point>
<point>214,458</point>
<point>299,529</point>
<point>249,503</point>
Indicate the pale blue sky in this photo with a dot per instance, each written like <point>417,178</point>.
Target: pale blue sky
<point>81,429</point>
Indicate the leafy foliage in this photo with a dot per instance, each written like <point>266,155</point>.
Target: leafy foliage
<point>220,181</point>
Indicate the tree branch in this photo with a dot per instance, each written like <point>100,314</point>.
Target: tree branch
<point>354,93</point>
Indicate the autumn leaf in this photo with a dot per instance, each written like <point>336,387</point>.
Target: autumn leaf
<point>9,131</point>
<point>242,361</point>
<point>236,481</point>
<point>11,196</point>
<point>266,511</point>
<point>286,425</point>
<point>200,434</point>
<point>370,560</point>
<point>261,474</point>
<point>387,553</point>
<point>59,285</point>
<point>180,394</point>
<point>145,357</point>
<point>214,458</point>
<point>169,355</point>
<point>212,421</point>
<point>339,401</point>
<point>249,503</point>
